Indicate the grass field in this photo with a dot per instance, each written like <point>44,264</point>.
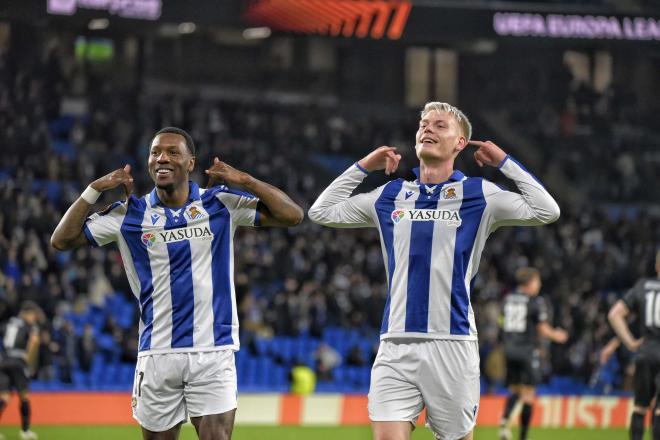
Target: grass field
<point>298,433</point>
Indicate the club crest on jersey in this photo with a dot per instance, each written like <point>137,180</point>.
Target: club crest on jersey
<point>449,193</point>
<point>150,239</point>
<point>193,213</point>
<point>450,217</point>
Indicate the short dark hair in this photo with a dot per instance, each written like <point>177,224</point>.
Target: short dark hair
<point>175,130</point>
<point>31,307</point>
<point>526,274</point>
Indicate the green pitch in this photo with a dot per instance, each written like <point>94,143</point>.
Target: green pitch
<point>298,433</point>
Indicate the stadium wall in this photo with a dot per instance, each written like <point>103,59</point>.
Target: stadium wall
<point>317,409</point>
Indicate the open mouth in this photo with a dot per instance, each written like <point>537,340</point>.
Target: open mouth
<point>163,172</point>
<point>428,141</point>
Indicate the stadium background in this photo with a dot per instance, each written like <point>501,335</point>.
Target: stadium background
<point>293,91</point>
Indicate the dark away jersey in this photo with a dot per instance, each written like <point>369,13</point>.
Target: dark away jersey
<point>17,337</point>
<point>521,316</point>
<point>644,300</point>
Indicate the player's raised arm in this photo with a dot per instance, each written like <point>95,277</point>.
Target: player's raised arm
<point>69,231</point>
<point>534,206</point>
<point>336,208</point>
<point>276,207</point>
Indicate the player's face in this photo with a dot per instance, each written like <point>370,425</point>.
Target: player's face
<point>439,137</point>
<point>535,285</point>
<point>30,317</point>
<point>170,162</point>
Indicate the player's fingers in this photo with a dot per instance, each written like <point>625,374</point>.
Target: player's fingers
<point>127,168</point>
<point>216,160</point>
<point>128,189</point>
<point>395,158</point>
<point>476,157</point>
<point>477,143</point>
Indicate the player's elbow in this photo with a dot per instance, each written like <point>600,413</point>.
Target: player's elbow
<point>320,215</point>
<point>60,243</point>
<point>295,217</point>
<point>315,214</point>
<point>57,243</point>
<point>614,314</point>
<point>551,214</point>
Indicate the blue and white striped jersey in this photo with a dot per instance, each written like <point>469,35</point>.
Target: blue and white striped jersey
<point>432,237</point>
<point>180,265</point>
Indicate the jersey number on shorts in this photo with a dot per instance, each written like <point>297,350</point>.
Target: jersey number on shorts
<point>515,317</point>
<point>652,309</point>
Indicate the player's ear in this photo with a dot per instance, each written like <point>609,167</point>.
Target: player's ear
<point>191,164</point>
<point>461,144</point>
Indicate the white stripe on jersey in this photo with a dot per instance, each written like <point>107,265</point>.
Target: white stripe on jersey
<point>202,287</point>
<point>444,241</point>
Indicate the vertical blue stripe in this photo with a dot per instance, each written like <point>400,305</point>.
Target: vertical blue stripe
<point>384,208</point>
<point>181,284</point>
<point>131,230</point>
<point>472,209</point>
<point>220,223</point>
<point>419,266</point>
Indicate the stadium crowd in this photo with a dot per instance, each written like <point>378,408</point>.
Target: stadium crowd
<point>61,127</point>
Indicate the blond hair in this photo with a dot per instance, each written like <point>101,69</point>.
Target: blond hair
<point>460,117</point>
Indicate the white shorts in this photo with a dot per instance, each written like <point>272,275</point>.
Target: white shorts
<point>441,375</point>
<point>168,387</point>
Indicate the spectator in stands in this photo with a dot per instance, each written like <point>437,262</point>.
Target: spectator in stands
<point>326,359</point>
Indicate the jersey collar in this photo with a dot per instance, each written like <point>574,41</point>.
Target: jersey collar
<point>456,176</point>
<point>193,194</point>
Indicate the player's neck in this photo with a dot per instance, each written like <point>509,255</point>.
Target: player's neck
<point>174,197</point>
<point>435,172</point>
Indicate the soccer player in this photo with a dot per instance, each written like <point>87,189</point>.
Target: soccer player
<point>644,300</point>
<point>525,319</point>
<point>21,342</point>
<point>177,246</point>
<point>432,232</point>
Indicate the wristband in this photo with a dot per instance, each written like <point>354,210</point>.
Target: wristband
<point>90,195</point>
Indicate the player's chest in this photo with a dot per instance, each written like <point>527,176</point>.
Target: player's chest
<point>426,207</point>
<point>163,230</point>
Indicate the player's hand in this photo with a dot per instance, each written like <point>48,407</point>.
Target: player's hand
<point>122,176</point>
<point>605,355</point>
<point>488,153</point>
<point>561,336</point>
<point>221,172</point>
<point>382,158</point>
